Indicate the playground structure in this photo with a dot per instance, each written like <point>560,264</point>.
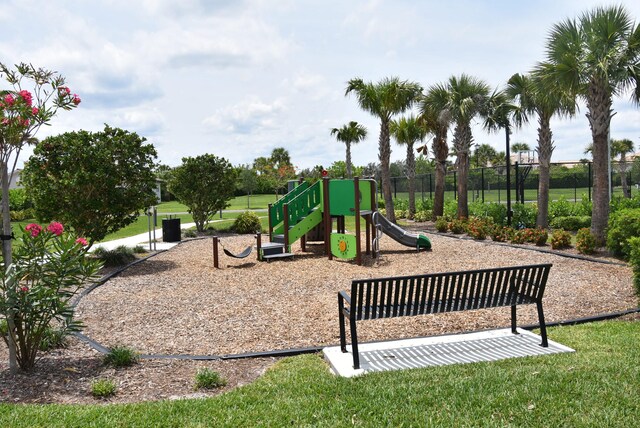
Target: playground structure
<point>308,212</point>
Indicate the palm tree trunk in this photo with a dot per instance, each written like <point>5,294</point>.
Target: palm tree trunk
<point>440,151</point>
<point>599,115</point>
<point>462,138</point>
<point>411,175</point>
<point>349,171</point>
<point>385,156</point>
<point>545,150</point>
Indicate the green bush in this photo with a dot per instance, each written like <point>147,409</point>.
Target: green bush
<point>422,216</point>
<point>189,233</point>
<point>620,203</point>
<point>426,205</point>
<point>401,213</point>
<point>561,208</point>
<point>560,239</point>
<point>450,208</point>
<point>496,212</point>
<point>570,222</point>
<point>121,356</point>
<point>634,261</point>
<point>401,204</point>
<point>585,241</point>
<point>119,256</point>
<point>208,379</point>
<point>584,207</point>
<point>442,225</point>
<point>524,215</point>
<point>623,224</point>
<point>19,200</point>
<point>247,222</point>
<point>103,388</point>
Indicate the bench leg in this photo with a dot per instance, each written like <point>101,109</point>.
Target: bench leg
<point>343,339</point>
<point>543,326</point>
<point>513,319</point>
<point>354,345</point>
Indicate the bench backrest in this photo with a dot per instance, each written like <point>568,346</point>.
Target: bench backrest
<point>447,292</point>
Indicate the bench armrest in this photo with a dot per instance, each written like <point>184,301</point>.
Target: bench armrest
<point>345,297</point>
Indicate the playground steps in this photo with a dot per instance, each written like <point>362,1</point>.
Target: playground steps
<point>275,250</point>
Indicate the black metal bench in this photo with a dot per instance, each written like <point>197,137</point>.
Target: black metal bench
<point>441,292</point>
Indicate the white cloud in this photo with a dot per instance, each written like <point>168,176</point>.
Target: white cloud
<point>247,117</point>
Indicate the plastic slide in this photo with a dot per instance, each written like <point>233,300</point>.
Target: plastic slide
<point>414,240</point>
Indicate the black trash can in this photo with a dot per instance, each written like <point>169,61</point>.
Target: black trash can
<point>171,230</point>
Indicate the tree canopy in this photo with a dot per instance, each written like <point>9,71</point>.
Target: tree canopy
<point>95,182</point>
<point>205,184</point>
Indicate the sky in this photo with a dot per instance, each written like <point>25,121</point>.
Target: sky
<point>239,78</point>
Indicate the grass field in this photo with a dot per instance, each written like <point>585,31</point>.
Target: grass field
<point>597,386</point>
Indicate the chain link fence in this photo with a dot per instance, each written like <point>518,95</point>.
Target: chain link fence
<point>571,181</point>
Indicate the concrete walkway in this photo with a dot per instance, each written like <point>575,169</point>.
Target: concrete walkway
<point>143,240</point>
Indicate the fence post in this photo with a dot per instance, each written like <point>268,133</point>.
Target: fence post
<point>395,187</point>
<point>482,181</point>
<point>455,185</point>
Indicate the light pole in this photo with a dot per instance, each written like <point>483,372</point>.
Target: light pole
<point>507,131</point>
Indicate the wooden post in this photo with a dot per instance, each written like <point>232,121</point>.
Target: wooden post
<point>327,217</point>
<point>356,184</point>
<point>215,252</point>
<point>258,245</point>
<point>270,223</point>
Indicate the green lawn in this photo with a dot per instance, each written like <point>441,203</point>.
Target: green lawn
<point>597,386</point>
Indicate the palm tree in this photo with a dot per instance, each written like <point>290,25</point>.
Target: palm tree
<point>435,116</point>
<point>349,134</point>
<point>467,98</point>
<point>484,155</point>
<point>407,131</point>
<point>621,148</point>
<point>596,57</point>
<point>537,95</point>
<point>385,99</point>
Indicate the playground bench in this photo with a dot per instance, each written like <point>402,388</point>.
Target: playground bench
<point>377,298</point>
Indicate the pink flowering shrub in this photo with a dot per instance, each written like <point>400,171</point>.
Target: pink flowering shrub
<point>48,270</point>
<point>55,228</point>
<point>34,229</point>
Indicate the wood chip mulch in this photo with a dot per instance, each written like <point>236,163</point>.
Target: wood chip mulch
<point>177,303</point>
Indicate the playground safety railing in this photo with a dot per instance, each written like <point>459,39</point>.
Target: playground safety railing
<point>276,211</point>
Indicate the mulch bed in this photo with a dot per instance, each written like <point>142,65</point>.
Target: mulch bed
<point>177,303</point>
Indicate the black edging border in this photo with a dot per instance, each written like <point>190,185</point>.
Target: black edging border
<point>315,349</point>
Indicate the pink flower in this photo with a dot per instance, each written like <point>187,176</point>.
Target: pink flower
<point>76,99</point>
<point>55,228</point>
<point>25,122</point>
<point>82,242</point>
<point>35,111</point>
<point>9,100</point>
<point>26,96</point>
<point>24,289</point>
<point>63,90</point>
<point>34,229</point>
<point>6,121</point>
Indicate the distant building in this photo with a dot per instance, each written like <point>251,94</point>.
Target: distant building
<point>14,183</point>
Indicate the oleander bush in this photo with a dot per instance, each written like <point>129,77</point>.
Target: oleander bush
<point>458,226</point>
